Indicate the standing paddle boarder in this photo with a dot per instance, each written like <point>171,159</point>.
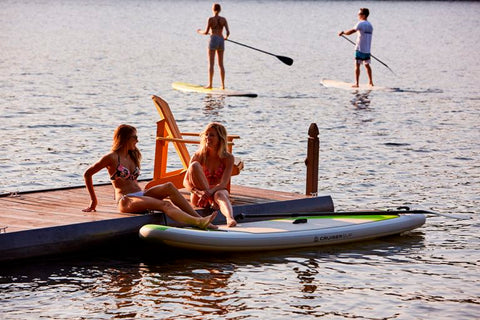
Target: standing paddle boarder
<point>215,27</point>
<point>362,48</point>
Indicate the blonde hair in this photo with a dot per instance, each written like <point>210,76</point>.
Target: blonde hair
<point>222,143</point>
<point>121,136</point>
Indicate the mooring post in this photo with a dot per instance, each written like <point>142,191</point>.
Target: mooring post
<point>312,160</point>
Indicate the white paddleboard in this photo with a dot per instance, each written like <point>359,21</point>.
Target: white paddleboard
<point>284,233</point>
<point>188,87</point>
<point>349,86</point>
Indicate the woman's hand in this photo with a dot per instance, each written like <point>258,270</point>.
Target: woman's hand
<point>204,197</point>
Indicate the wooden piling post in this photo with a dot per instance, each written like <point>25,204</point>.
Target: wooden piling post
<point>312,160</point>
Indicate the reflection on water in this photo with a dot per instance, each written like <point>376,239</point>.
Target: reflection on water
<point>361,99</point>
<point>161,283</point>
<point>213,105</point>
<point>195,289</point>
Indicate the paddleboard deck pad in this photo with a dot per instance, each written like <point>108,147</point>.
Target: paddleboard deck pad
<point>284,233</point>
<point>348,86</point>
<point>188,87</point>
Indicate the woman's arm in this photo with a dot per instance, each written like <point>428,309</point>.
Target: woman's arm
<point>104,162</point>
<point>227,29</point>
<point>207,28</point>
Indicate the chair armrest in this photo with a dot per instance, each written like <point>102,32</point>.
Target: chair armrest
<point>184,140</point>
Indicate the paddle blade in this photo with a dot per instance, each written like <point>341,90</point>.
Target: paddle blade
<point>286,60</point>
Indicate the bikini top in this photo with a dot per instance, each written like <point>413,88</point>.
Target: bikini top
<point>124,173</point>
<point>214,176</point>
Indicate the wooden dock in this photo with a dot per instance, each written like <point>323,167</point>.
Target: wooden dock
<point>52,221</point>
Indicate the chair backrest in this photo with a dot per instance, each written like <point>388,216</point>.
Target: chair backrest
<point>171,126</point>
<point>168,132</point>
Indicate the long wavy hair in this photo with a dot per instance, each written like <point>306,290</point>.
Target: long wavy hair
<point>222,141</point>
<point>120,138</point>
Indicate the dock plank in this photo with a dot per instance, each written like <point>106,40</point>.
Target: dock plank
<point>49,208</point>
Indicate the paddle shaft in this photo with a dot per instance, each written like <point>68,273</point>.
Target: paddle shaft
<point>345,213</point>
<point>286,60</point>
<point>370,55</point>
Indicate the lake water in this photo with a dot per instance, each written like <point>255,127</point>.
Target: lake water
<point>71,71</point>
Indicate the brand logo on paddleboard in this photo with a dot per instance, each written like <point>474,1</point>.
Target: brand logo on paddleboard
<point>333,237</point>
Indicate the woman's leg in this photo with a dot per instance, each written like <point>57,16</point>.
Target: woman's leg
<point>195,181</point>
<point>222,68</point>
<point>168,189</point>
<point>211,62</point>
<point>222,199</point>
<point>140,204</point>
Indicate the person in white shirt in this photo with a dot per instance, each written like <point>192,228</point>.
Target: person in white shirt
<point>364,31</point>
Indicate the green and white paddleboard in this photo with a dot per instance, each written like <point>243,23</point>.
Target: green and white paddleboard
<point>285,233</point>
<point>188,87</point>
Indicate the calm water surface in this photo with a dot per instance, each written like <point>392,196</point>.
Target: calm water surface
<point>71,71</point>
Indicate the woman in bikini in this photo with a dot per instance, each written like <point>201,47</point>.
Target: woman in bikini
<point>210,171</point>
<point>123,166</point>
<point>215,27</point>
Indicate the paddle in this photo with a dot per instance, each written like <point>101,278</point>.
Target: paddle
<point>286,60</point>
<point>370,55</point>
<point>401,210</point>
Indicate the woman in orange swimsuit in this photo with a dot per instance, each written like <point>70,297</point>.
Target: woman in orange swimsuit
<point>123,165</point>
<point>209,172</point>
<point>215,27</point>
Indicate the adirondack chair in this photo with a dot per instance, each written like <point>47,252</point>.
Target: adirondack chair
<point>168,132</point>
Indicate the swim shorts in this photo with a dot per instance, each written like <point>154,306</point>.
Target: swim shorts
<point>362,57</point>
<point>216,42</point>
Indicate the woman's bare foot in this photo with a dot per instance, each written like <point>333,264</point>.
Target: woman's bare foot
<point>231,223</point>
<point>206,221</point>
<point>212,227</point>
